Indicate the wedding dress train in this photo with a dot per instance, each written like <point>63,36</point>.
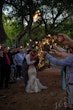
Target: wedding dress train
<point>33,85</point>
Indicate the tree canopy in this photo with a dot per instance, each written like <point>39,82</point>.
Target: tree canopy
<point>53,14</point>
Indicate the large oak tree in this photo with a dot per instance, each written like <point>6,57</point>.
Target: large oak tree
<point>51,13</point>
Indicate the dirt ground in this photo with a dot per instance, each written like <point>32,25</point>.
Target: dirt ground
<point>50,99</point>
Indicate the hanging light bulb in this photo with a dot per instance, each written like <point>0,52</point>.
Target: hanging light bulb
<point>52,40</point>
<point>35,16</point>
<point>0,46</point>
<point>36,42</point>
<point>30,40</point>
<point>27,44</point>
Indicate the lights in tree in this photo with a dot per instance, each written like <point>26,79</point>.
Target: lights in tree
<point>21,46</point>
<point>36,42</point>
<point>30,40</point>
<point>36,47</point>
<point>8,48</point>
<point>52,40</point>
<point>55,43</point>
<point>27,44</point>
<point>35,16</point>
<point>0,46</point>
<point>49,35</point>
<point>49,40</point>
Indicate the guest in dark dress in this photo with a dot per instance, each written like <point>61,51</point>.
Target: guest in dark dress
<point>1,67</point>
<point>6,65</point>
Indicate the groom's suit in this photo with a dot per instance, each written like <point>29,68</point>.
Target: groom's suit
<point>25,67</point>
<point>25,71</point>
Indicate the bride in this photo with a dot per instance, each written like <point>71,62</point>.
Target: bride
<point>33,85</point>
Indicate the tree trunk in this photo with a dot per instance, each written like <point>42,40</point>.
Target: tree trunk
<point>3,35</point>
<point>19,36</point>
<point>29,28</point>
<point>23,32</point>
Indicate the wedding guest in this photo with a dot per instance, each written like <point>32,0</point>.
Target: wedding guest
<point>13,65</point>
<point>63,69</point>
<point>65,40</point>
<point>25,67</point>
<point>6,68</point>
<point>1,68</point>
<point>19,60</point>
<point>66,60</point>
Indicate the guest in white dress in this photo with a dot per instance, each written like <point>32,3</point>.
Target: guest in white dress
<point>33,85</point>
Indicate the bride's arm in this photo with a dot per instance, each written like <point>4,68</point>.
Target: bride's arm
<point>29,62</point>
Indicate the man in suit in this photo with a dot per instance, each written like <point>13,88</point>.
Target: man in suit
<point>25,68</point>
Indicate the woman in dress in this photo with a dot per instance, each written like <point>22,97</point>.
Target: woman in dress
<point>33,85</point>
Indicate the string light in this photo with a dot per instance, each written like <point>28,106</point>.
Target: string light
<point>0,46</point>
<point>27,44</point>
<point>36,42</point>
<point>35,16</point>
<point>30,40</point>
<point>8,48</point>
<point>21,46</point>
<point>48,40</point>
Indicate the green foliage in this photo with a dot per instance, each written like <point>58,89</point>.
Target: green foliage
<point>38,33</point>
<point>11,28</point>
<point>24,40</point>
<point>66,27</point>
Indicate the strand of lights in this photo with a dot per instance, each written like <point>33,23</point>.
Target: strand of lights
<point>38,45</point>
<point>48,40</point>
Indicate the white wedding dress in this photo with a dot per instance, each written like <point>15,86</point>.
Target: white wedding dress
<point>33,85</point>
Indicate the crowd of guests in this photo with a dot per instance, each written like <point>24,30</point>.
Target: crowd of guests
<point>7,66</point>
<point>11,61</point>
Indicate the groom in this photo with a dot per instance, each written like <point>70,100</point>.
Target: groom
<point>25,67</point>
<point>25,71</point>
